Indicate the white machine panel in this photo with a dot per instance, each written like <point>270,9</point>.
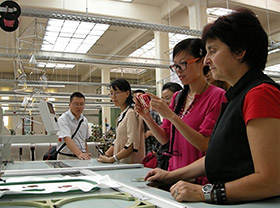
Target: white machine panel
<point>48,117</point>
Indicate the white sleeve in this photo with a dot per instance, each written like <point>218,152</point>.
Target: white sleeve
<point>64,127</point>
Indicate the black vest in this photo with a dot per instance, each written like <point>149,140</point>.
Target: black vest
<point>228,156</point>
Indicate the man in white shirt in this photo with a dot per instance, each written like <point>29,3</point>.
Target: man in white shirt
<point>68,123</point>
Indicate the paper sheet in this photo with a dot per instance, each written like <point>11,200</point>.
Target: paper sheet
<point>63,184</point>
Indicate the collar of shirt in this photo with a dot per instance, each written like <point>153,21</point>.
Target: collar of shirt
<point>72,117</point>
<point>123,113</point>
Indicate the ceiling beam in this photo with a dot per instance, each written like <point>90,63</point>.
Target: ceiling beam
<point>72,83</point>
<point>107,20</point>
<point>83,60</point>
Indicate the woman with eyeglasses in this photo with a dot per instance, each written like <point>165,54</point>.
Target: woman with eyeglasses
<point>190,118</point>
<point>129,145</point>
<point>242,162</point>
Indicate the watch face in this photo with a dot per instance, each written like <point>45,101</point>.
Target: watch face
<point>207,187</point>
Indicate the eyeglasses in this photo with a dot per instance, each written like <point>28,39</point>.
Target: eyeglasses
<point>78,104</point>
<point>114,93</point>
<point>183,65</point>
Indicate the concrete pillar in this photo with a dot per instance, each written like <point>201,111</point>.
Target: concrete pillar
<point>197,14</point>
<point>106,111</point>
<point>162,52</point>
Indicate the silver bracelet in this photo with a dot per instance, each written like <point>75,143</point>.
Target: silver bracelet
<point>115,158</point>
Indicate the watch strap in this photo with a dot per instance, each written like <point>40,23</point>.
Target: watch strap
<point>115,158</point>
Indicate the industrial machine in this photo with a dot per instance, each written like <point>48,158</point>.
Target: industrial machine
<point>50,122</point>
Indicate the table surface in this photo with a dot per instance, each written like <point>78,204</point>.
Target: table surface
<point>125,174</point>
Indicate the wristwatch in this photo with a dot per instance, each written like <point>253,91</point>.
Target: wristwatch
<point>115,158</point>
<point>207,191</point>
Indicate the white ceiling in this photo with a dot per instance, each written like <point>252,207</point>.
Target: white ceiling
<point>157,3</point>
<point>117,40</point>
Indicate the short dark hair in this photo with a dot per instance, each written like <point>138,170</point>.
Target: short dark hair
<point>192,46</point>
<point>123,85</point>
<point>172,86</point>
<point>139,91</point>
<point>76,94</point>
<point>241,30</point>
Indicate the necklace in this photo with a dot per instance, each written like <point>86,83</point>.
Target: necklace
<point>190,97</point>
<point>199,93</point>
<point>187,110</point>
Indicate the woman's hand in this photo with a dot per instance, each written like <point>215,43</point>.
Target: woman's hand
<point>144,112</point>
<point>160,106</point>
<point>148,134</point>
<point>157,174</point>
<point>105,159</point>
<point>185,191</point>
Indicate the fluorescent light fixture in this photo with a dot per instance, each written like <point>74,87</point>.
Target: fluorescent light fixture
<point>55,65</point>
<point>215,12</point>
<point>54,96</point>
<point>51,99</point>
<point>276,50</point>
<point>40,85</point>
<point>5,119</point>
<point>71,36</point>
<point>273,68</point>
<point>128,70</point>
<point>218,11</point>
<point>135,88</point>
<point>5,98</point>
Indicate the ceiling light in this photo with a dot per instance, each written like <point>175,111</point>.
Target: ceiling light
<point>128,70</point>
<point>273,71</point>
<point>55,66</point>
<point>218,11</point>
<point>276,50</point>
<point>274,68</point>
<point>51,99</point>
<point>71,36</point>
<point>135,88</point>
<point>40,85</point>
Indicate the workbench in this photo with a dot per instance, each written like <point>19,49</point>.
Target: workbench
<point>130,193</point>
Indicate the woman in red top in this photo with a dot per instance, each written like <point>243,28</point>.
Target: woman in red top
<point>242,162</point>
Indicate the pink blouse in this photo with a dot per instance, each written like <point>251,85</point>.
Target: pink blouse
<point>201,117</point>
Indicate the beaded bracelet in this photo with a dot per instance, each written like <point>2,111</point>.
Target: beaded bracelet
<point>219,193</point>
<point>214,198</point>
